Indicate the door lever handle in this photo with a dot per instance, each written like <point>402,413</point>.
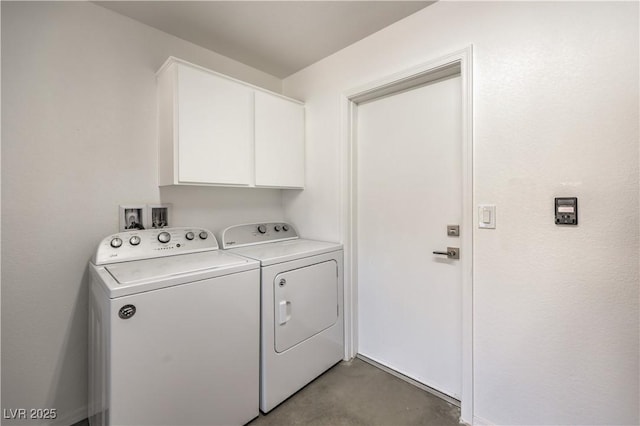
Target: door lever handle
<point>451,253</point>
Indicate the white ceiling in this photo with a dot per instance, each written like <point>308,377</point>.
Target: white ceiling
<point>277,37</point>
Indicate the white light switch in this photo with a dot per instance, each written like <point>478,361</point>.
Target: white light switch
<point>487,216</point>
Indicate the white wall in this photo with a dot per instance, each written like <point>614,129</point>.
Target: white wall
<point>78,139</point>
<point>556,335</point>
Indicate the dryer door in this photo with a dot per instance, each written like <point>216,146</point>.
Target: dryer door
<point>306,302</point>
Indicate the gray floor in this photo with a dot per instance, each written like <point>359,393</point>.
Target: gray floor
<point>356,393</point>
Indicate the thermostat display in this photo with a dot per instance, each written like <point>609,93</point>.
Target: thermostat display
<point>566,211</point>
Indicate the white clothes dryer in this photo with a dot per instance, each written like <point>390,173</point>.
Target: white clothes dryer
<point>302,325</point>
<point>174,331</point>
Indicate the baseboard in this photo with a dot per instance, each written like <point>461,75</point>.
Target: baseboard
<point>70,418</point>
<point>479,421</point>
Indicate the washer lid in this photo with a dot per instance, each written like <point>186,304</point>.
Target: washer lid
<point>121,279</point>
<point>285,251</point>
<point>157,269</point>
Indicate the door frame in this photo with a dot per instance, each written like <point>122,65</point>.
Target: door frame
<point>429,71</point>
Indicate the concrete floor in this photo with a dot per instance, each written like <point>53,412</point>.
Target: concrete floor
<point>356,393</point>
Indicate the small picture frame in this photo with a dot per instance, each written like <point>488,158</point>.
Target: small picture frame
<point>159,216</point>
<point>132,217</point>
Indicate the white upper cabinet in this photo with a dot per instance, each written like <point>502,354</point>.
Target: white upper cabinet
<point>215,130</point>
<point>279,142</point>
<point>206,128</point>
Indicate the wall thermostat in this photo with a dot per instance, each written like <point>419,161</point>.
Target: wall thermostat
<point>566,211</point>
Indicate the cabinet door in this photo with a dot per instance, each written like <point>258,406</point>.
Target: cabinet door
<point>279,142</point>
<point>215,129</point>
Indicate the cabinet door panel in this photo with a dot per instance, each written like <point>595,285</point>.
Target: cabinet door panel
<point>279,142</point>
<point>214,129</point>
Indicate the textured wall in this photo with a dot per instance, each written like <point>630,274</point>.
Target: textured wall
<point>78,139</point>
<point>556,335</point>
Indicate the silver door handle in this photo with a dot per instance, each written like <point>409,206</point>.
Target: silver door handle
<point>451,253</point>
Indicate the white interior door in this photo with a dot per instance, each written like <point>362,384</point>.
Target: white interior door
<point>409,188</point>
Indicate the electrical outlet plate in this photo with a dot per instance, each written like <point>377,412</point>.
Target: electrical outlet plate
<point>159,216</point>
<point>132,216</point>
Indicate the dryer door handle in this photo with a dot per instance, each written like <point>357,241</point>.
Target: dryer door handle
<point>284,312</point>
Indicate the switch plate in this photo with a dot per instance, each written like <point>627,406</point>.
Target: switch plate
<point>487,216</point>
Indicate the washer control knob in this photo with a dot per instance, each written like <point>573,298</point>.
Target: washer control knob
<point>285,228</point>
<point>203,235</point>
<point>164,237</point>
<point>190,235</point>
<point>277,228</point>
<point>116,242</point>
<point>262,229</point>
<point>134,241</point>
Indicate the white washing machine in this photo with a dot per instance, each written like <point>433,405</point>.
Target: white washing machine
<point>174,331</point>
<point>302,326</point>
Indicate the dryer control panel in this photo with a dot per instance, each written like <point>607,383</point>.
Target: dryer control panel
<point>250,234</point>
<point>152,243</point>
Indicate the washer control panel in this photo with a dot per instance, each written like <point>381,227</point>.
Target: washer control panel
<point>257,233</point>
<point>151,243</point>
